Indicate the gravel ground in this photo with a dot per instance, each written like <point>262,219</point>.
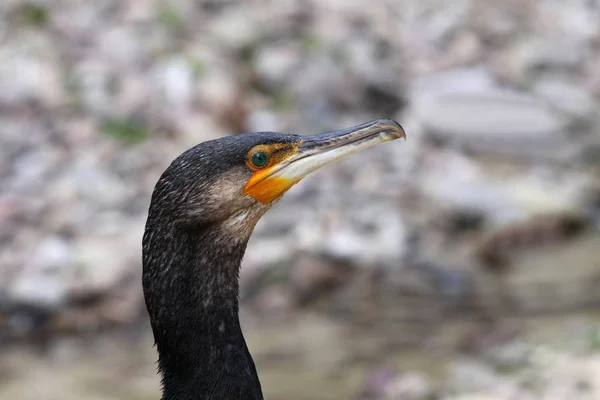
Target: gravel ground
<point>499,100</point>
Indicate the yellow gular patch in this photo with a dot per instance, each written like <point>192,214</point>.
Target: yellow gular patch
<point>262,186</point>
<point>266,189</point>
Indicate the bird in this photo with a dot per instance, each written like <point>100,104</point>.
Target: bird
<point>202,212</point>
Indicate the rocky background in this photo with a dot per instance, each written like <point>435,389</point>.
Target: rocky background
<point>461,264</point>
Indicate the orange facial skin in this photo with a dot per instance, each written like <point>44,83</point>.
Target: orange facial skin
<point>262,186</point>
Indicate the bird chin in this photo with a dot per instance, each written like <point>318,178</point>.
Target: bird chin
<point>241,225</point>
<point>267,187</point>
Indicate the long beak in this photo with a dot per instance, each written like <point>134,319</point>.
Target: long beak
<point>317,151</point>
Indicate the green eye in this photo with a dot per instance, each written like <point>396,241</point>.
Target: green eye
<point>259,159</point>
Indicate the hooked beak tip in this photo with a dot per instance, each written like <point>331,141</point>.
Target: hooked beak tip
<point>371,133</point>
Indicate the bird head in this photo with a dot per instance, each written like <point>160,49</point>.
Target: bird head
<point>232,181</point>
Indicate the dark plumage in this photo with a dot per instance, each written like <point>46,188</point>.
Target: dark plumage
<point>202,213</point>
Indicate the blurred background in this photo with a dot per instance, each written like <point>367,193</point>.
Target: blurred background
<point>462,264</point>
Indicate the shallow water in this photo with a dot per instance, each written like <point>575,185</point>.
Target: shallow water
<point>305,357</point>
<point>309,355</point>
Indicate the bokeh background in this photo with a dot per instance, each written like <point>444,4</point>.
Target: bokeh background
<point>462,264</point>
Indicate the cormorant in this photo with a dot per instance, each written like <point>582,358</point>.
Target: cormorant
<point>203,210</point>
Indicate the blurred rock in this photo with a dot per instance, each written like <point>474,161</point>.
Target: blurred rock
<point>43,280</point>
<point>427,88</point>
<point>527,58</point>
<point>99,186</point>
<point>24,78</point>
<point>237,29</point>
<point>454,181</point>
<point>134,93</point>
<point>387,384</point>
<point>120,45</point>
<point>263,253</point>
<point>464,49</point>
<point>575,19</point>
<point>498,22</point>
<point>494,118</point>
<point>102,262</point>
<point>91,79</point>
<point>275,64</point>
<point>377,382</point>
<point>312,277</point>
<point>367,236</point>
<point>507,356</point>
<point>566,97</point>
<point>77,21</point>
<point>174,82</point>
<point>217,89</point>
<point>30,168</point>
<point>475,377</point>
<point>197,128</point>
<point>275,301</point>
<point>453,286</point>
<point>480,396</point>
<point>409,386</point>
<point>263,120</point>
<point>465,107</point>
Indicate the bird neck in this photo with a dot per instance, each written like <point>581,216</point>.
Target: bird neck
<point>192,300</point>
